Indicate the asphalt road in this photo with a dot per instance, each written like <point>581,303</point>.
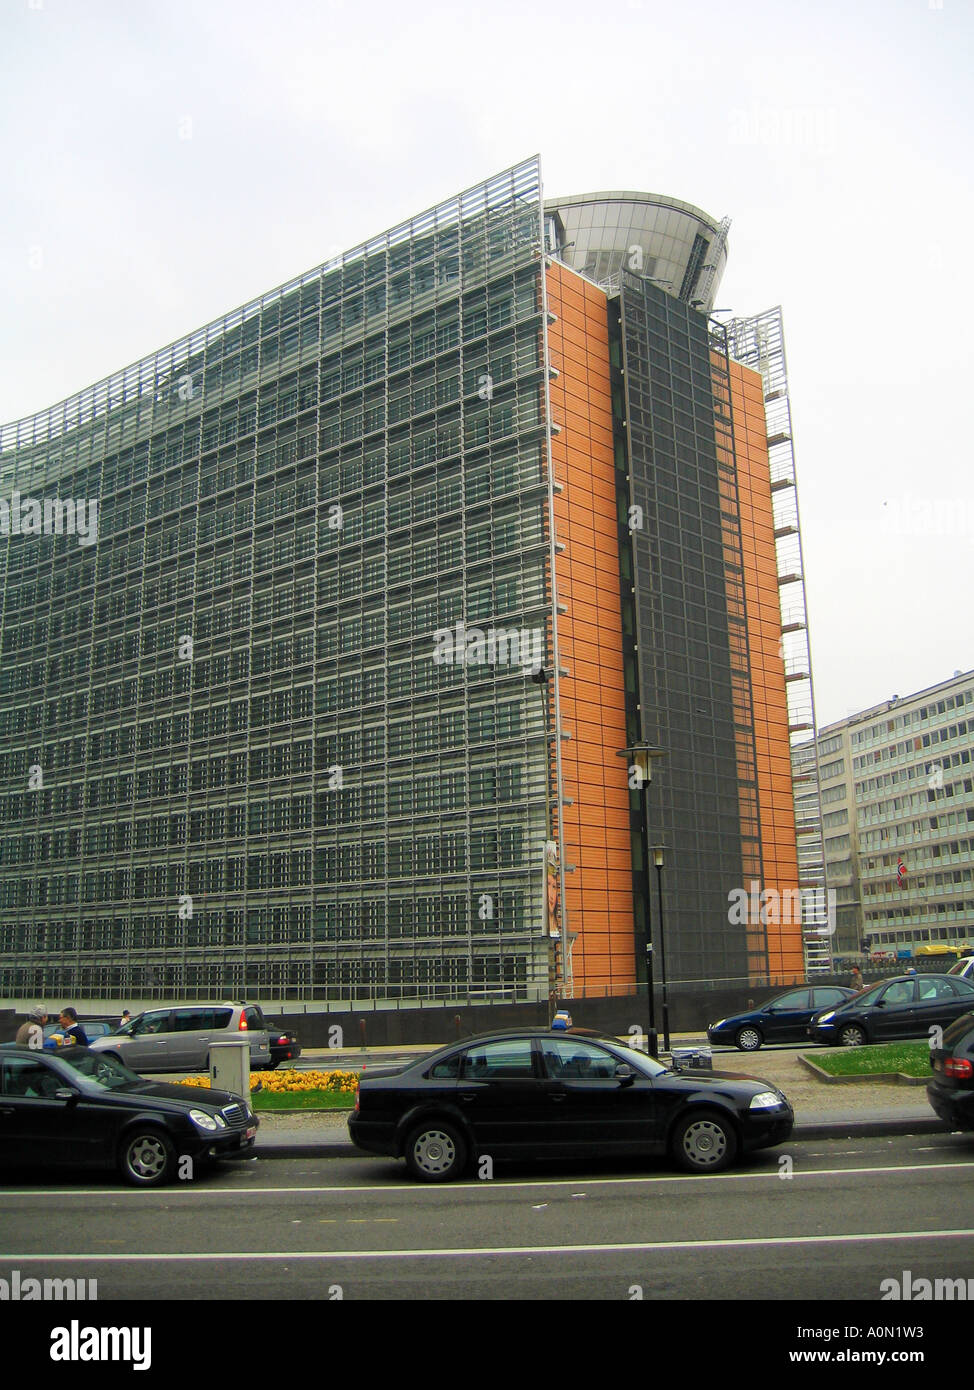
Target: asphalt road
<point>820,1220</point>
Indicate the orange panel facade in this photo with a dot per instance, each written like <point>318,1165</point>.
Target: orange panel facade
<point>596,827</point>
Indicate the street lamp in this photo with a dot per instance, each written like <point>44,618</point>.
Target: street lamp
<point>540,677</point>
<point>640,757</point>
<point>658,851</point>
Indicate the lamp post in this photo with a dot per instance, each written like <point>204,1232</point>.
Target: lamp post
<point>658,852</point>
<point>540,677</point>
<point>640,757</point>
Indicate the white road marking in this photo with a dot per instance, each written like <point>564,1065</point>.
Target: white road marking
<point>608,1248</point>
<point>453,1187</point>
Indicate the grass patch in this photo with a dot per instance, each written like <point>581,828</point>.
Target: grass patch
<point>910,1058</point>
<point>301,1100</point>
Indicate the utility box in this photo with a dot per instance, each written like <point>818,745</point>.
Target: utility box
<point>230,1066</point>
<point>693,1058</point>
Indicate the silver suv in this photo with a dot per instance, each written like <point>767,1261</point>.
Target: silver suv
<point>178,1039</point>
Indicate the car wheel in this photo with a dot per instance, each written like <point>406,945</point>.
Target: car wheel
<point>435,1152</point>
<point>748,1039</point>
<point>704,1143</point>
<point>852,1036</point>
<point>146,1157</point>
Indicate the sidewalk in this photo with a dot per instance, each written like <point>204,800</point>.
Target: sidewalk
<point>822,1111</point>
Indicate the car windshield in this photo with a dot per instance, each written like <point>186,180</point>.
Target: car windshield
<point>640,1061</point>
<point>100,1068</point>
<point>869,996</point>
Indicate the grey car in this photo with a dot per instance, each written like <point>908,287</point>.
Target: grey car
<point>178,1038</point>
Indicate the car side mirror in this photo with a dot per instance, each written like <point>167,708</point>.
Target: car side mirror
<point>65,1093</point>
<point>625,1073</point>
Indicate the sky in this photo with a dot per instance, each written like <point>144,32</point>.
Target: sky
<point>164,163</point>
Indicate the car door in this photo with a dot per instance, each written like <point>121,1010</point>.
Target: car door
<point>192,1028</point>
<point>38,1127</point>
<point>501,1095</point>
<point>785,1019</point>
<point>591,1108</point>
<point>939,1002</point>
<point>146,1047</point>
<point>28,1111</point>
<point>894,1013</point>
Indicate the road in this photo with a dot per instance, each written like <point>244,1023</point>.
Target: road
<point>819,1220</point>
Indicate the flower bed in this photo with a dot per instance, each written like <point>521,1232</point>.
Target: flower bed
<point>340,1083</point>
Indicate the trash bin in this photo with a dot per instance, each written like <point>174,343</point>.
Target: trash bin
<point>693,1058</point>
<point>230,1066</point>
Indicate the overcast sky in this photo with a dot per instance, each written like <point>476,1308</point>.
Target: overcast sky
<point>165,162</point>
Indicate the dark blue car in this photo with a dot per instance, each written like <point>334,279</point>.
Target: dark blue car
<point>782,1019</point>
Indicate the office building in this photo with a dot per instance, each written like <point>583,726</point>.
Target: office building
<point>388,566</point>
<point>898,820</point>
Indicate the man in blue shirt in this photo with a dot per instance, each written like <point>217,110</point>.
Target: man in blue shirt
<point>71,1029</point>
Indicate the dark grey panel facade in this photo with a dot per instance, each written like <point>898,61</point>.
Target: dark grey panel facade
<point>681,627</point>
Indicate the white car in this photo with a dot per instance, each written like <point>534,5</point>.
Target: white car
<point>964,968</point>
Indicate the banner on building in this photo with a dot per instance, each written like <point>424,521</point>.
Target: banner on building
<point>552,891</point>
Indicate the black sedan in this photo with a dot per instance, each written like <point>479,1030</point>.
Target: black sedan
<point>284,1045</point>
<point>909,1006</point>
<point>782,1019</point>
<point>84,1109</point>
<point>535,1094</point>
<point>951,1088</point>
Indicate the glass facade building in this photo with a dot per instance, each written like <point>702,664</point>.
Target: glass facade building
<point>279,729</point>
<point>229,761</point>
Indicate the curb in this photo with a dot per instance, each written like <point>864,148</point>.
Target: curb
<point>868,1129</point>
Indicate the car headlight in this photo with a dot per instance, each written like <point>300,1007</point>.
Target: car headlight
<point>719,1024</point>
<point>204,1121</point>
<point>764,1100</point>
<point>824,1018</point>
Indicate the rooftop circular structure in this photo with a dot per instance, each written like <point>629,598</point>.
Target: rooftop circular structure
<point>676,245</point>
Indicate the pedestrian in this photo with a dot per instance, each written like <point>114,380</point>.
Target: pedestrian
<point>71,1029</point>
<point>126,1018</point>
<point>856,977</point>
<point>31,1033</point>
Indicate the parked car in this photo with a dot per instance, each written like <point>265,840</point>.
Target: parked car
<point>94,1028</point>
<point>951,1088</point>
<point>178,1039</point>
<point>907,1006</point>
<point>963,968</point>
<point>284,1045</point>
<point>536,1094</point>
<point>782,1019</point>
<point>80,1108</point>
